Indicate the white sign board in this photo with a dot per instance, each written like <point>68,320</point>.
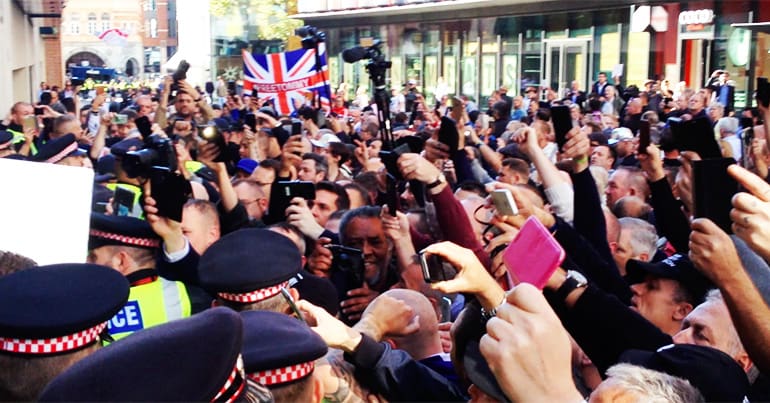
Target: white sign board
<point>45,211</point>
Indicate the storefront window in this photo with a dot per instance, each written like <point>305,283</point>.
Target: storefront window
<point>509,38</point>
<point>470,55</point>
<point>490,49</point>
<point>449,58</point>
<point>431,51</point>
<point>636,70</point>
<point>532,58</point>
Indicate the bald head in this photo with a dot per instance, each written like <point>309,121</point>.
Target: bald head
<point>426,341</point>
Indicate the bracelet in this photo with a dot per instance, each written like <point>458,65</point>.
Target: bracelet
<point>581,159</point>
<point>487,315</point>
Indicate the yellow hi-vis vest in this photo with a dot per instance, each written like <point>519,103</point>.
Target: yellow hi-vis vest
<point>18,138</point>
<point>149,305</point>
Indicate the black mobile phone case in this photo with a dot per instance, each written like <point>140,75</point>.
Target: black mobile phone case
<point>281,194</point>
<point>562,123</point>
<point>713,189</point>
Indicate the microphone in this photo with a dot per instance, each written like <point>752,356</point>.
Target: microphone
<point>355,54</point>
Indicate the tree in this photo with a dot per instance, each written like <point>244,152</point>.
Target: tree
<point>271,16</point>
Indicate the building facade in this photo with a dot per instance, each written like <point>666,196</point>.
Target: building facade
<point>25,48</point>
<point>84,21</point>
<point>159,36</point>
<point>473,47</point>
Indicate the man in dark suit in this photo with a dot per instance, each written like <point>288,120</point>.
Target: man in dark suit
<point>724,92</point>
<point>601,83</point>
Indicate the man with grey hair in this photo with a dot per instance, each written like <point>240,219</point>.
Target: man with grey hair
<point>637,241</point>
<point>732,147</point>
<point>626,382</point>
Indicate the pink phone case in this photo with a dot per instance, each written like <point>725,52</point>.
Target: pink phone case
<point>533,255</point>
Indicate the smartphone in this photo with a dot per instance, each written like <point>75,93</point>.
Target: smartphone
<point>447,134</point>
<point>170,191</point>
<point>120,119</point>
<point>446,310</point>
<point>562,123</point>
<point>29,122</point>
<point>763,91</point>
<point>347,271</point>
<point>390,160</point>
<point>644,135</point>
<point>292,305</point>
<point>533,255</point>
<point>122,202</point>
<point>39,111</point>
<point>504,202</point>
<point>713,189</point>
<point>251,120</point>
<point>144,126</point>
<point>281,194</point>
<point>211,134</point>
<point>456,112</point>
<point>434,269</point>
<point>391,195</point>
<point>695,135</point>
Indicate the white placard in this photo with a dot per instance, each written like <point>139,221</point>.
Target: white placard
<point>617,71</point>
<point>45,211</point>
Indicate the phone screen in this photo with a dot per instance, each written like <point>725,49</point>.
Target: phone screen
<point>122,202</point>
<point>713,189</point>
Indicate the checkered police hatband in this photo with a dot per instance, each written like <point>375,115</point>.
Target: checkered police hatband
<point>55,345</point>
<point>282,375</point>
<point>128,240</point>
<point>254,296</point>
<point>234,386</point>
<point>63,153</point>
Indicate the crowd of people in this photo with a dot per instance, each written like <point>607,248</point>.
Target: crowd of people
<point>241,297</point>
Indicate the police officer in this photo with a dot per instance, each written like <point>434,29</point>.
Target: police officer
<point>50,318</point>
<point>280,352</point>
<point>129,246</point>
<point>62,151</point>
<point>251,269</point>
<point>190,360</point>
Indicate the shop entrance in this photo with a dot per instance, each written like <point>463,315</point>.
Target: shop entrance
<point>566,60</point>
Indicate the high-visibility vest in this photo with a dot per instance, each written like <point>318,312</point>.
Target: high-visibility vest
<point>149,305</point>
<point>136,210</point>
<point>18,138</point>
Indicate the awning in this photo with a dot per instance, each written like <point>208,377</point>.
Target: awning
<point>754,26</point>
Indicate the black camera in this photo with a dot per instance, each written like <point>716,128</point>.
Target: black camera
<point>311,36</point>
<point>158,151</point>
<point>179,75</point>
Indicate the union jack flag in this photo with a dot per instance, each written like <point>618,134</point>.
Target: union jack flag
<point>288,78</point>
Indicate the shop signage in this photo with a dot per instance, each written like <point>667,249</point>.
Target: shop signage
<point>696,17</point>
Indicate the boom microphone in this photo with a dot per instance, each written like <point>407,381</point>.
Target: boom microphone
<point>355,54</point>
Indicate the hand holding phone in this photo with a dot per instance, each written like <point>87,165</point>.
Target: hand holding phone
<point>170,191</point>
<point>435,269</point>
<point>281,194</point>
<point>533,255</point>
<point>713,189</point>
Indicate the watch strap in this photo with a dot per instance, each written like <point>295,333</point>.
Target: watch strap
<point>435,183</point>
<point>569,285</point>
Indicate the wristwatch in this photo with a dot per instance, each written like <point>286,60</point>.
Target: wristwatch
<point>441,179</point>
<point>574,280</point>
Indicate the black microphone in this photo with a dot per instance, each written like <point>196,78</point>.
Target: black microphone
<point>354,54</point>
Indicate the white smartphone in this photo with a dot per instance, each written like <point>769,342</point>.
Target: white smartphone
<point>504,202</point>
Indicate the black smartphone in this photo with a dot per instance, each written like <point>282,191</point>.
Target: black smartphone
<point>251,120</point>
<point>695,135</point>
<point>347,271</point>
<point>122,202</point>
<point>447,134</point>
<point>39,110</point>
<point>562,123</point>
<point>763,91</point>
<point>644,136</point>
<point>434,269</point>
<point>747,133</point>
<point>391,195</point>
<point>292,305</point>
<point>713,189</point>
<point>144,126</point>
<point>211,134</point>
<point>170,191</point>
<point>281,194</point>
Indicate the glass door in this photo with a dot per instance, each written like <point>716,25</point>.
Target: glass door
<point>566,61</point>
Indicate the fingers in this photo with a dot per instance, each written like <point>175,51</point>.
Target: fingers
<point>528,298</point>
<point>753,183</point>
<point>705,226</point>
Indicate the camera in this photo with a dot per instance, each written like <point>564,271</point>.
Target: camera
<point>180,74</point>
<point>158,151</point>
<point>211,134</point>
<point>311,36</point>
